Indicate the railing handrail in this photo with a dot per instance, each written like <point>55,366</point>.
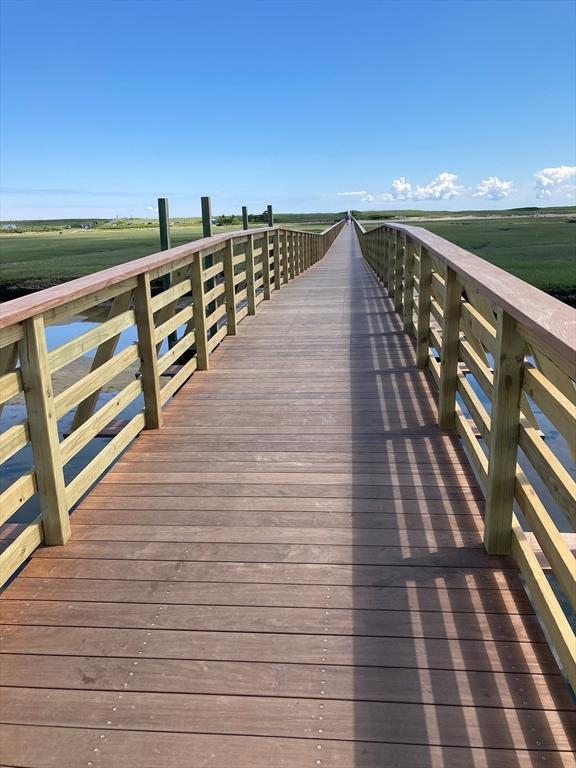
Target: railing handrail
<point>16,310</point>
<point>550,320</point>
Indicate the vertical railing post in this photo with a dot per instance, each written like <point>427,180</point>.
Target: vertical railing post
<point>229,288</point>
<point>398,263</point>
<point>276,246</point>
<point>385,237</point>
<point>270,215</point>
<point>297,253</point>
<point>298,249</point>
<point>292,257</point>
<point>408,300</point>
<point>250,288</point>
<point>503,437</point>
<point>43,428</point>
<point>198,298</point>
<point>392,235</point>
<point>285,261</point>
<point>147,351</point>
<point>449,352</point>
<point>244,217</point>
<point>423,321</point>
<point>266,265</point>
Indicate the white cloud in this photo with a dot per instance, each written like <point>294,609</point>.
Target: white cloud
<point>368,198</point>
<point>443,187</point>
<point>493,188</point>
<point>352,194</point>
<point>400,189</point>
<point>550,180</point>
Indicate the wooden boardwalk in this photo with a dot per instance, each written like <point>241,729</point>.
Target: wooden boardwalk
<point>290,573</point>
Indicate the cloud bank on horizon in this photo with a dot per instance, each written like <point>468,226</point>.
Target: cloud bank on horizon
<point>549,182</point>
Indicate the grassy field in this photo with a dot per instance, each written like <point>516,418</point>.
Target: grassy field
<point>39,259</point>
<point>563,210</point>
<point>540,250</point>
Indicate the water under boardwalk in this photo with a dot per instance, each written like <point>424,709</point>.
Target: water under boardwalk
<point>289,573</point>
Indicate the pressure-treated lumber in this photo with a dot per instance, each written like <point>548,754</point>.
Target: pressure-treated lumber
<point>148,358</point>
<point>43,429</point>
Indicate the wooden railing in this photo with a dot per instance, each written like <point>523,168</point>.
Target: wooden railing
<point>179,303</point>
<point>502,354</point>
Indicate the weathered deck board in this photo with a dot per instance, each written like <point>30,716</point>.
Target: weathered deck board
<point>290,573</point>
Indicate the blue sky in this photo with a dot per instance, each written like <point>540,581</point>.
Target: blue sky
<point>108,105</point>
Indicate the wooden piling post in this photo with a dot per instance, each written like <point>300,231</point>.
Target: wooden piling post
<point>270,214</point>
<point>206,206</point>
<point>206,216</point>
<point>164,221</point>
<point>244,217</point>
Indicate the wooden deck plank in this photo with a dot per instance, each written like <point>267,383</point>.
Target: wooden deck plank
<point>289,573</point>
<point>277,534</point>
<point>354,506</point>
<point>299,621</point>
<point>274,573</point>
<point>352,650</point>
<point>428,598</point>
<point>117,748</point>
<point>448,557</point>
<point>490,727</point>
<point>435,521</point>
<point>309,681</point>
